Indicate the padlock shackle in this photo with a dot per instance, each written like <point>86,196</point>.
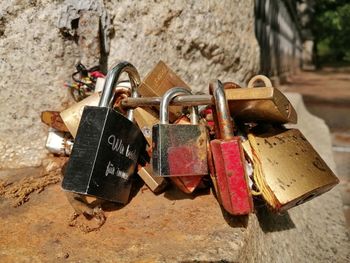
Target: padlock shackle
<point>263,78</point>
<point>167,98</point>
<point>111,80</point>
<point>221,111</point>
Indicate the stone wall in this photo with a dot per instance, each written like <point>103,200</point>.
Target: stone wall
<point>41,42</point>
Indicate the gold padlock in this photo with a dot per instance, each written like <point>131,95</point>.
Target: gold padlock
<point>145,119</point>
<point>287,169</point>
<point>155,183</point>
<point>160,79</point>
<point>71,116</point>
<point>259,104</point>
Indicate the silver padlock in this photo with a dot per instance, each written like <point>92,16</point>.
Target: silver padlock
<point>179,150</point>
<point>60,143</point>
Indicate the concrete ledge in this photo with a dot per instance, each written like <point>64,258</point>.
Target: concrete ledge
<point>174,227</point>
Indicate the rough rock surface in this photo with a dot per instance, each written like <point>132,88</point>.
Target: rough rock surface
<point>200,40</point>
<point>35,60</point>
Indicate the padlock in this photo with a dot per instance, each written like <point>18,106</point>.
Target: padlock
<point>263,104</point>
<point>155,183</point>
<point>287,169</point>
<point>178,150</point>
<point>53,120</point>
<point>107,146</point>
<point>145,119</point>
<point>160,79</point>
<point>60,143</point>
<point>186,184</point>
<point>71,116</point>
<point>230,178</point>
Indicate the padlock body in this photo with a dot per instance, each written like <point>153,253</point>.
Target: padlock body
<point>104,155</point>
<point>155,183</point>
<point>71,116</point>
<point>291,170</point>
<point>230,175</point>
<point>179,150</point>
<point>186,184</point>
<point>158,81</point>
<point>260,104</point>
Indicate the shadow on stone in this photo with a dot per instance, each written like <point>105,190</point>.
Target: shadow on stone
<point>272,222</point>
<point>235,221</point>
<point>174,193</point>
<point>136,186</point>
<point>216,261</point>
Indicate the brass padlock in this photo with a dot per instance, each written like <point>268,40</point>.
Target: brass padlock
<point>71,116</point>
<point>287,169</point>
<point>145,119</point>
<point>158,81</point>
<point>260,104</point>
<point>155,183</point>
<point>54,120</point>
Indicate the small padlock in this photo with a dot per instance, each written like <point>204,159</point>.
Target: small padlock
<point>60,143</point>
<point>186,184</point>
<point>287,169</point>
<point>178,150</point>
<point>160,79</point>
<point>263,104</point>
<point>72,115</point>
<point>145,119</point>
<point>54,120</point>
<point>230,178</point>
<point>107,146</point>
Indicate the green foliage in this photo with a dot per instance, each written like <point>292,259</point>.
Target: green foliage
<point>331,28</point>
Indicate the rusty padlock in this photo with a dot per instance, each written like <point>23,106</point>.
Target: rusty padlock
<point>230,176</point>
<point>178,150</point>
<point>186,184</point>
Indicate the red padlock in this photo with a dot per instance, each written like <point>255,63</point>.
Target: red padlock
<point>229,164</point>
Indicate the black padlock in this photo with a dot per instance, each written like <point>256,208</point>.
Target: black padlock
<point>107,146</point>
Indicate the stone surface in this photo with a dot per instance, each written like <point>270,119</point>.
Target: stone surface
<point>200,40</point>
<point>35,60</point>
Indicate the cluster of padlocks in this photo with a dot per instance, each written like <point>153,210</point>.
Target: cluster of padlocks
<point>159,130</point>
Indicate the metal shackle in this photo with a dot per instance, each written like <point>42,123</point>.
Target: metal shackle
<point>223,118</point>
<point>111,80</point>
<point>166,99</point>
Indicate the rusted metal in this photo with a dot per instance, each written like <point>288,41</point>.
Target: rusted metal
<point>178,150</point>
<point>230,179</point>
<point>54,120</point>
